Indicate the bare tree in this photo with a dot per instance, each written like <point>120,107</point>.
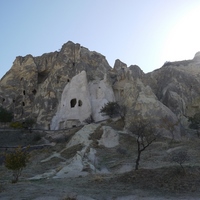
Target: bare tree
<point>179,157</point>
<point>170,125</point>
<point>145,134</point>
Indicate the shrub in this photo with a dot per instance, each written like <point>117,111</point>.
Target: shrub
<point>179,157</point>
<point>29,122</point>
<point>16,125</point>
<point>111,109</point>
<point>5,115</point>
<point>16,161</point>
<point>37,137</point>
<point>194,121</point>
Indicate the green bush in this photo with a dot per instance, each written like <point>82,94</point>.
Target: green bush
<point>111,109</point>
<point>5,115</point>
<point>194,121</point>
<point>16,161</point>
<point>29,122</point>
<point>16,125</point>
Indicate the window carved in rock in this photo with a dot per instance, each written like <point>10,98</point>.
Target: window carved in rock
<point>73,103</point>
<point>34,91</point>
<point>80,103</point>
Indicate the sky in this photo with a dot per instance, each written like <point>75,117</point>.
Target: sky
<point>146,33</point>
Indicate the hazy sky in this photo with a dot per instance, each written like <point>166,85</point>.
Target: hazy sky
<point>142,32</point>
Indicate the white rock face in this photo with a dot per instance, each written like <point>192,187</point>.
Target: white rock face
<point>110,138</point>
<point>75,104</point>
<point>80,100</point>
<point>100,94</point>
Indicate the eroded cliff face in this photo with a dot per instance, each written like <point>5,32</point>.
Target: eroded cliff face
<point>140,99</point>
<point>81,100</point>
<point>63,89</point>
<point>176,85</point>
<point>34,86</point>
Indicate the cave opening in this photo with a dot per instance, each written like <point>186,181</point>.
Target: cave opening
<point>80,103</point>
<point>73,103</point>
<point>34,91</point>
<point>42,76</point>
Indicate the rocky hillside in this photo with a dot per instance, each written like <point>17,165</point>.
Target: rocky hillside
<point>62,89</point>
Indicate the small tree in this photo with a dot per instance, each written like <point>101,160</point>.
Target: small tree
<point>145,134</point>
<point>113,109</point>
<point>28,123</point>
<point>169,124</point>
<point>5,115</point>
<point>16,161</point>
<point>195,122</point>
<point>16,125</point>
<point>179,157</point>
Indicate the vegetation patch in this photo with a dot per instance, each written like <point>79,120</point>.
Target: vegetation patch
<point>16,161</point>
<point>117,125</point>
<point>169,179</point>
<point>53,161</point>
<point>71,151</point>
<point>95,136</point>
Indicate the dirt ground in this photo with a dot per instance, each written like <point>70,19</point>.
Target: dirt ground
<point>146,184</point>
<point>156,179</point>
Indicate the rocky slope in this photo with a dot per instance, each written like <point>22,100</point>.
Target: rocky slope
<point>63,89</point>
<point>70,163</point>
<point>176,85</point>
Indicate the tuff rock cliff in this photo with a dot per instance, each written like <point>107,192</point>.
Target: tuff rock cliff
<point>63,89</point>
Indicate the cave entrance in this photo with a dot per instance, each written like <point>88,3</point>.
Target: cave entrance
<point>73,103</point>
<point>80,103</point>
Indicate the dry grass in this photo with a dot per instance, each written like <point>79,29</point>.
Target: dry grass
<point>117,125</point>
<point>95,136</point>
<point>98,178</point>
<point>171,179</point>
<point>71,151</point>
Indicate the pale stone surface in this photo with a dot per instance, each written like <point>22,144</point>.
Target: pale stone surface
<point>110,137</point>
<point>75,103</point>
<point>74,169</point>
<point>88,100</point>
<point>82,136</point>
<point>74,166</point>
<point>100,94</point>
<point>176,85</point>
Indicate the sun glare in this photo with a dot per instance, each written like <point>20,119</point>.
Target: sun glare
<point>184,39</point>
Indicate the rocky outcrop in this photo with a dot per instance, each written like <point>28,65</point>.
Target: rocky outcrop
<point>176,85</point>
<point>81,100</point>
<point>33,87</point>
<point>63,89</point>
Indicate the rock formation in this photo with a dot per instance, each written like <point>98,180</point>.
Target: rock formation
<point>35,87</point>
<point>176,85</point>
<point>63,89</point>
